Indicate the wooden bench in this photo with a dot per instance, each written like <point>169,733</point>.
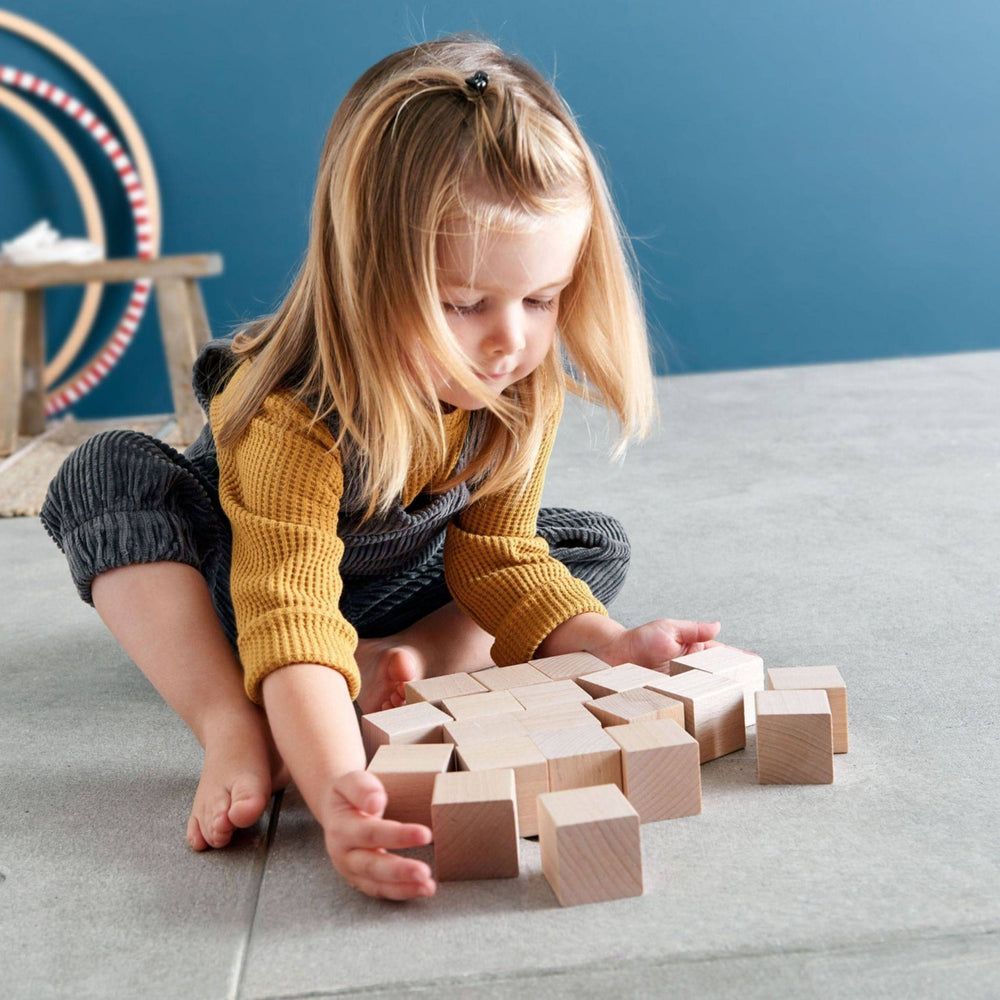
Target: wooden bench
<point>183,323</point>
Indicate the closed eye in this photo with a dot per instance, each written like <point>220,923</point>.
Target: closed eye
<point>477,307</point>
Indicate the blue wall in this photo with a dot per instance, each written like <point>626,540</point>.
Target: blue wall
<point>807,181</point>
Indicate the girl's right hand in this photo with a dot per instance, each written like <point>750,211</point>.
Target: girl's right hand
<point>359,840</point>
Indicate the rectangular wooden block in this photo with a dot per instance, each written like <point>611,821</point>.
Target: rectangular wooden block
<point>631,706</point>
<point>713,710</point>
<point>474,706</point>
<point>612,680</point>
<point>568,666</point>
<point>591,845</point>
<point>436,689</point>
<point>661,768</point>
<point>794,738</point>
<point>463,732</point>
<point>531,772</point>
<point>814,678</point>
<point>505,678</point>
<point>551,694</point>
<point>407,771</point>
<point>474,819</point>
<point>418,723</point>
<point>728,661</point>
<point>569,715</point>
<point>580,757</point>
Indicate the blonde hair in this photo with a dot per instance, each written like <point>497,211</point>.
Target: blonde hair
<point>411,151</point>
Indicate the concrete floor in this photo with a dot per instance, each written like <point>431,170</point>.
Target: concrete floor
<point>839,514</point>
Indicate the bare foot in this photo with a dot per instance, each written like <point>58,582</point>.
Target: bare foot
<point>385,667</point>
<point>241,770</point>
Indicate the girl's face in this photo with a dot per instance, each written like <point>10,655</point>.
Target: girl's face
<point>503,312</point>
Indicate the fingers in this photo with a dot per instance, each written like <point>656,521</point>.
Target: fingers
<point>363,791</point>
<point>385,869</point>
<point>695,633</point>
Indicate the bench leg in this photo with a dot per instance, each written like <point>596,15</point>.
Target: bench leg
<point>184,325</point>
<point>33,379</point>
<point>13,312</point>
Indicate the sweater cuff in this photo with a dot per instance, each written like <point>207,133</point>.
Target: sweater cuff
<point>288,636</point>
<point>526,625</point>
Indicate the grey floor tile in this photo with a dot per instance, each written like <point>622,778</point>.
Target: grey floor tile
<point>842,514</point>
<point>99,894</point>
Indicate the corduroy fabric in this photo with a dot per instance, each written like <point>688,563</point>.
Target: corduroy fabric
<point>124,497</point>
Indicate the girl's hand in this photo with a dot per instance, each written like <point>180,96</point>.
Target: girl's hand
<point>358,841</point>
<point>656,643</point>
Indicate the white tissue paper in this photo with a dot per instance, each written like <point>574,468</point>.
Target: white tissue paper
<point>41,244</point>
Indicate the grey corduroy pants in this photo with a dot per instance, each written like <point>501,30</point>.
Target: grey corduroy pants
<point>124,497</point>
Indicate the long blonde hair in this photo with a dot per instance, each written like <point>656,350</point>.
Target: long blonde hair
<point>411,151</point>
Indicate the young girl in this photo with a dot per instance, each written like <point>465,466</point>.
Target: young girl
<point>362,508</point>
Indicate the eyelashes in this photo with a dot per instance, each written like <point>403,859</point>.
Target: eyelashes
<point>543,305</point>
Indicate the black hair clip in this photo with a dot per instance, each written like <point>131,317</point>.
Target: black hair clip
<point>478,82</point>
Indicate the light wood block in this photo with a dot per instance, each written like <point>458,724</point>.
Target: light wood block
<point>814,678</point>
<point>568,666</point>
<point>591,845</point>
<point>613,680</point>
<point>463,732</point>
<point>569,715</point>
<point>732,663</point>
<point>436,689</point>
<point>474,819</point>
<point>632,706</point>
<point>661,768</point>
<point>551,694</point>
<point>794,738</point>
<point>531,772</point>
<point>580,757</point>
<point>713,710</point>
<point>407,771</point>
<point>505,678</point>
<point>419,723</point>
<point>474,706</point>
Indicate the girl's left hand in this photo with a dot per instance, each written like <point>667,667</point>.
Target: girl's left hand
<point>656,643</point>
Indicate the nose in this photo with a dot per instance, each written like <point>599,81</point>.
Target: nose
<point>506,335</point>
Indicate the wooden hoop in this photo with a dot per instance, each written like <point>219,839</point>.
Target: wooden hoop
<point>93,222</point>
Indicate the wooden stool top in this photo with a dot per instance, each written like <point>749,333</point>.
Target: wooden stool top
<point>22,277</point>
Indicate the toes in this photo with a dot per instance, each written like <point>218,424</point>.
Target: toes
<point>403,664</point>
<point>194,835</point>
<point>248,800</point>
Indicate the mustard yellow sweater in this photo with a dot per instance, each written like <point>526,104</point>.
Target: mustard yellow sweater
<point>280,487</point>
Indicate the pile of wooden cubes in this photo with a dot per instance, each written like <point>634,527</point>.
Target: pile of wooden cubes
<point>580,753</point>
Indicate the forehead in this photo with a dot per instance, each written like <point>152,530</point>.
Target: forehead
<point>532,258</point>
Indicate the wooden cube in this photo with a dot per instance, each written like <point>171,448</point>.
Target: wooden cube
<point>436,689</point>
<point>580,757</point>
<point>568,666</point>
<point>531,772</point>
<point>418,723</point>
<point>407,771</point>
<point>474,819</point>
<point>632,706</point>
<point>569,715</point>
<point>713,710</point>
<point>612,680</point>
<point>814,678</point>
<point>551,694</point>
<point>474,706</point>
<point>732,663</point>
<point>661,768</point>
<point>794,738</point>
<point>505,678</point>
<point>591,845</point>
<point>463,732</point>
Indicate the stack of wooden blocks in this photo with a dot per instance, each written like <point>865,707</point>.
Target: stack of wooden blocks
<point>580,754</point>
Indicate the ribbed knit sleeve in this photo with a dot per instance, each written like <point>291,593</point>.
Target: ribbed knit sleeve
<point>501,574</point>
<point>280,486</point>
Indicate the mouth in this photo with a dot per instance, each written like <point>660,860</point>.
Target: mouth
<point>494,376</point>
